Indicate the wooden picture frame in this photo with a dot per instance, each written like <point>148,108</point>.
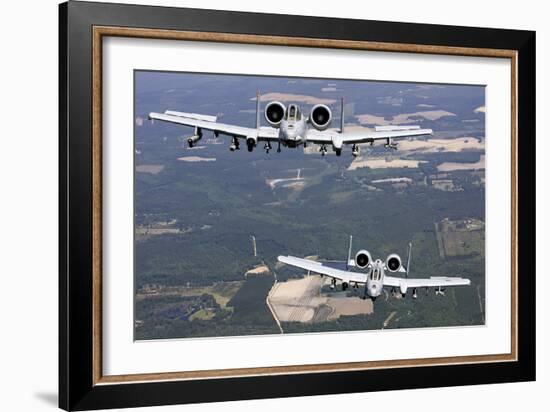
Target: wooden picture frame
<point>82,385</point>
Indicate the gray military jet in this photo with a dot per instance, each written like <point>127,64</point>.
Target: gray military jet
<point>374,277</point>
<point>288,127</point>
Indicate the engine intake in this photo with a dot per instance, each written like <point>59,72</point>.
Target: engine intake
<point>393,262</point>
<point>320,116</point>
<point>362,259</point>
<point>274,113</point>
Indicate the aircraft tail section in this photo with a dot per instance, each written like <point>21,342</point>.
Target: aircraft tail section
<point>342,116</point>
<point>349,262</point>
<point>257,109</point>
<point>409,259</point>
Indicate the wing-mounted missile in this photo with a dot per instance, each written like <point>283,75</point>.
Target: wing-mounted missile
<point>274,113</point>
<point>390,144</point>
<point>320,117</point>
<point>234,144</point>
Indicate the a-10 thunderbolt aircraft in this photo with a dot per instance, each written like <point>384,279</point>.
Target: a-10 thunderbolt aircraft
<point>374,277</point>
<point>290,128</point>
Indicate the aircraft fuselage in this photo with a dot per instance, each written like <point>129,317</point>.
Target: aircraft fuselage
<point>375,280</point>
<point>292,133</point>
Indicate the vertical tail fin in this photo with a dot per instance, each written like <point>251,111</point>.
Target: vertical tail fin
<point>349,251</point>
<point>409,259</point>
<point>342,115</point>
<point>257,109</point>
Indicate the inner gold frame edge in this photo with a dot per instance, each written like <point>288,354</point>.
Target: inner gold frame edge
<point>102,31</point>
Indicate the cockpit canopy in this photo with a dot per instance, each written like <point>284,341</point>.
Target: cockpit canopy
<point>293,113</point>
<point>375,274</point>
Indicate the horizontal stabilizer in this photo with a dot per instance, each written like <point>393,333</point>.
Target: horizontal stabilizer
<point>395,128</point>
<point>195,116</point>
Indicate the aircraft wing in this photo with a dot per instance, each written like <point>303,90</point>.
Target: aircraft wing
<point>210,123</point>
<point>381,133</point>
<point>318,267</point>
<point>434,281</point>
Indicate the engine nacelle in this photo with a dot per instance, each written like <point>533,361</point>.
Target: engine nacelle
<point>362,259</point>
<point>320,116</point>
<point>274,113</point>
<point>393,262</point>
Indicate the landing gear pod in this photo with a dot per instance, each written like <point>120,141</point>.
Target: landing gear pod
<point>195,138</point>
<point>251,142</point>
<point>192,140</point>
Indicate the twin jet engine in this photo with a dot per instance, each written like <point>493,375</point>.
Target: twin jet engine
<point>363,259</point>
<point>320,116</point>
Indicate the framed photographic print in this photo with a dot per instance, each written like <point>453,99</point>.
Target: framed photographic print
<point>255,206</point>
